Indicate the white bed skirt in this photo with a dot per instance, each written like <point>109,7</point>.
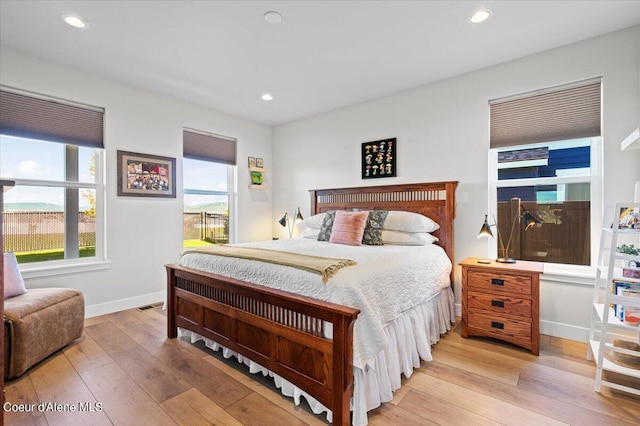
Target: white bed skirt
<point>410,338</point>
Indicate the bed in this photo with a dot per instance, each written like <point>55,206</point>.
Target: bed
<point>307,342</point>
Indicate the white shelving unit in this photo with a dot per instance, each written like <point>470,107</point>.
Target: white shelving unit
<point>605,325</point>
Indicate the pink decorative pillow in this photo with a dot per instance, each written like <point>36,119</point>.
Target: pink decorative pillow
<point>13,282</point>
<point>348,228</point>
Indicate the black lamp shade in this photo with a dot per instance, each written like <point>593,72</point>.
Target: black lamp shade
<point>485,231</point>
<point>530,220</point>
<point>283,220</point>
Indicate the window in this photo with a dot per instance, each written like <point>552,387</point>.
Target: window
<point>207,170</point>
<point>545,152</point>
<point>557,182</point>
<point>54,213</point>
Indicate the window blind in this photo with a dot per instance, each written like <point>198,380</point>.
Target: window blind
<point>570,112</point>
<point>203,146</point>
<point>39,117</point>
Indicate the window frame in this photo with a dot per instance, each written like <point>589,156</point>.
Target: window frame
<point>67,266</point>
<point>578,274</point>
<point>229,193</point>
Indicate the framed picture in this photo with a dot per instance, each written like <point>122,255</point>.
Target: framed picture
<point>629,217</point>
<point>259,163</point>
<point>379,159</point>
<point>142,175</point>
<point>252,162</point>
<point>256,178</point>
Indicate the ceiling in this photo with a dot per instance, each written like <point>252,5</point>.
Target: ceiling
<point>324,55</point>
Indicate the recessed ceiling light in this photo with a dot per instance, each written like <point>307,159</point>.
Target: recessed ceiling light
<point>267,97</point>
<point>74,21</point>
<point>273,17</point>
<point>480,16</point>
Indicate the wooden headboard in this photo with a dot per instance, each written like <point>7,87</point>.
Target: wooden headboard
<point>435,200</point>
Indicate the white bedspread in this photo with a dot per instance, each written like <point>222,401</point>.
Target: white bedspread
<point>387,281</point>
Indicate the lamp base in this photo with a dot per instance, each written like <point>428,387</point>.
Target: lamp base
<point>505,260</point>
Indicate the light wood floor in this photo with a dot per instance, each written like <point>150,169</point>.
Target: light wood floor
<point>129,373</point>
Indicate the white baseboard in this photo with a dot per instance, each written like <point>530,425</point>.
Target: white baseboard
<point>565,331</point>
<point>123,304</point>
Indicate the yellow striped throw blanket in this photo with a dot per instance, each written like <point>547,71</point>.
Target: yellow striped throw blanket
<point>325,266</point>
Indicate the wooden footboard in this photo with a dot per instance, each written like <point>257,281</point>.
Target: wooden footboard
<point>281,331</point>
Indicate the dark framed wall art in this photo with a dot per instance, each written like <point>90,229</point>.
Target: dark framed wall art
<point>143,175</point>
<point>379,159</point>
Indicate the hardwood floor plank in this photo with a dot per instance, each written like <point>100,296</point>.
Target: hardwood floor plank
<point>538,402</point>
<point>579,392</point>
<point>85,354</point>
<point>264,386</point>
<point>110,338</point>
<point>58,384</point>
<point>481,362</point>
<point>18,392</point>
<point>123,401</point>
<point>159,380</point>
<point>392,415</point>
<point>478,402</point>
<point>255,410</point>
<point>441,410</point>
<point>215,384</point>
<point>192,408</point>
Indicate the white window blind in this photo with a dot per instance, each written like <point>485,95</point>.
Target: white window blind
<point>32,116</point>
<point>570,112</point>
<point>207,147</point>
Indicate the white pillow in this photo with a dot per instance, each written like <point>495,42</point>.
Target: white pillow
<point>409,222</point>
<point>312,222</point>
<point>399,238</point>
<point>310,233</point>
<point>13,282</point>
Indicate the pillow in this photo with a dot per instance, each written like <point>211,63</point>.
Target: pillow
<point>348,228</point>
<point>312,222</point>
<point>400,238</point>
<point>373,231</point>
<point>327,224</point>
<point>310,233</point>
<point>13,282</point>
<point>409,222</point>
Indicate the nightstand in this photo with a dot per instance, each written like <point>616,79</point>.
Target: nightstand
<point>502,300</point>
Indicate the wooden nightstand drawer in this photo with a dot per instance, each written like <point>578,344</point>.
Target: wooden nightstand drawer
<point>500,325</point>
<point>495,282</point>
<point>499,304</point>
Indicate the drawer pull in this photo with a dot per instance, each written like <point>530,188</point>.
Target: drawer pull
<point>497,281</point>
<point>496,324</point>
<point>497,303</point>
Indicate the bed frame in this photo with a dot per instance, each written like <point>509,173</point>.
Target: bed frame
<point>284,332</point>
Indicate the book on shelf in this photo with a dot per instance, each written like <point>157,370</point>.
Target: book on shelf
<point>630,315</point>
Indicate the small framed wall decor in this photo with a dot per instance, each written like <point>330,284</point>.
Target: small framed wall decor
<point>259,163</point>
<point>252,162</point>
<point>379,159</point>
<point>143,175</point>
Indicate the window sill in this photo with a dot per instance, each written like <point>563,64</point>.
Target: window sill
<point>62,268</point>
<point>567,274</point>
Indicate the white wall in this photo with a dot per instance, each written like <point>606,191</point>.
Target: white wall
<point>143,234</point>
<point>442,132</point>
